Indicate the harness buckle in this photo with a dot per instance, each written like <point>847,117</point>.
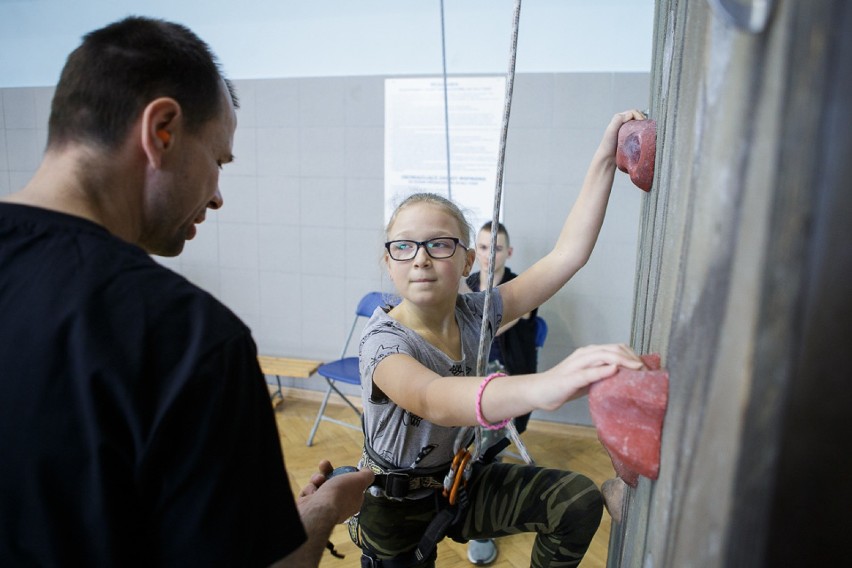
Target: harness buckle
<point>396,484</point>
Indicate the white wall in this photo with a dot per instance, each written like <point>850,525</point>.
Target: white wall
<point>332,38</point>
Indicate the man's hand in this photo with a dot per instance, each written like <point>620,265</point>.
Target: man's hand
<point>343,493</point>
<point>324,503</point>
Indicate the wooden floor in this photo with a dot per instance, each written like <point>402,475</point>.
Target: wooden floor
<point>566,447</point>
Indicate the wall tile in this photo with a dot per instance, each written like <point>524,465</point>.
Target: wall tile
<point>280,296</point>
<point>323,251</point>
<point>205,277</point>
<point>4,160</point>
<point>527,156</point>
<point>621,224</point>
<point>363,252</point>
<point>278,152</point>
<point>280,248</point>
<point>631,90</point>
<point>19,108</point>
<point>583,100</point>
<point>532,101</point>
<point>610,272</point>
<point>323,315</point>
<point>203,250</point>
<point>364,152</point>
<point>43,99</point>
<point>571,151</point>
<point>238,246</point>
<point>239,290</point>
<point>17,180</point>
<point>245,153</point>
<point>277,103</point>
<point>5,186</point>
<point>365,101</point>
<point>240,199</point>
<point>321,152</point>
<point>281,336</point>
<point>25,151</point>
<point>365,204</point>
<point>321,101</point>
<point>171,262</point>
<point>247,96</point>
<point>279,200</point>
<point>322,202</point>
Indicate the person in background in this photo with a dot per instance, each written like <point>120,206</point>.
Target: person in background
<point>513,350</point>
<point>135,423</point>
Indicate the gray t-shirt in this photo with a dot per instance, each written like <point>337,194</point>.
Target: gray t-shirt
<point>401,438</point>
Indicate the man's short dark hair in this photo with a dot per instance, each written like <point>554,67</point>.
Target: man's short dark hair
<point>118,69</point>
<point>500,229</point>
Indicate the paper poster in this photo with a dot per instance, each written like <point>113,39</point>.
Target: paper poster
<point>416,141</point>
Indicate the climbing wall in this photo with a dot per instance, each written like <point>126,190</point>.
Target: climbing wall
<point>744,286</point>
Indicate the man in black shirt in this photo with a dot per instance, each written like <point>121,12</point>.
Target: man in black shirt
<point>135,423</point>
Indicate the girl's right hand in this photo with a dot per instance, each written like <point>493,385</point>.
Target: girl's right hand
<point>572,377</point>
<point>609,143</point>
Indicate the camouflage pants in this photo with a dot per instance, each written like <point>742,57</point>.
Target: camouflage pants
<point>564,508</point>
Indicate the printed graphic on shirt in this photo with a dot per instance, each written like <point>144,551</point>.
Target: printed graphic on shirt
<point>383,352</point>
<point>460,370</point>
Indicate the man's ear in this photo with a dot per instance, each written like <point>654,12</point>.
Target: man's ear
<point>468,262</point>
<point>509,252</point>
<point>160,129</point>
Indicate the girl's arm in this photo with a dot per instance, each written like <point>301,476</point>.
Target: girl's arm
<point>450,401</point>
<point>574,246</point>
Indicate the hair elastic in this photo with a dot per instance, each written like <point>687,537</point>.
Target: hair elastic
<point>479,417</point>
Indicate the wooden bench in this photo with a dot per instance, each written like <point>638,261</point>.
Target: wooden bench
<point>286,367</point>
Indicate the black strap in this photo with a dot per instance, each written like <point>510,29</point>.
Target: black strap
<point>435,532</point>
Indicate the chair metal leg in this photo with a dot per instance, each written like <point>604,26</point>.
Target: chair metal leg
<point>321,414</point>
<point>279,394</point>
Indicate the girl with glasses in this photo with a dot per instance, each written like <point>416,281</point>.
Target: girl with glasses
<point>417,361</point>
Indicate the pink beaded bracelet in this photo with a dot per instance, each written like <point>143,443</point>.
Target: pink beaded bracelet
<point>479,417</point>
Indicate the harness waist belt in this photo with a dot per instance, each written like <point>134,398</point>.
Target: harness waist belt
<point>398,483</point>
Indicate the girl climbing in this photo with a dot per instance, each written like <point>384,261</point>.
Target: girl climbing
<point>416,360</point>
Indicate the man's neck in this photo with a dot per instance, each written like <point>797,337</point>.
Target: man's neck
<point>70,182</point>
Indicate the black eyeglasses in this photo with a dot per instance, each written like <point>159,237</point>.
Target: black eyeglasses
<point>438,248</point>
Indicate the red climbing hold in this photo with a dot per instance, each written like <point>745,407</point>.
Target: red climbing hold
<point>628,410</point>
<point>637,150</point>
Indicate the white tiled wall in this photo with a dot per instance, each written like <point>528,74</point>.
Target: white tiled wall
<point>299,238</point>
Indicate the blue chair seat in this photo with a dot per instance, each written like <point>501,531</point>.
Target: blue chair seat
<point>343,370</point>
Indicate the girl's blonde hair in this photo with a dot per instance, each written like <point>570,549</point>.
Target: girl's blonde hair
<point>440,201</point>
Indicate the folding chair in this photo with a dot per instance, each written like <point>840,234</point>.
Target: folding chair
<point>345,369</point>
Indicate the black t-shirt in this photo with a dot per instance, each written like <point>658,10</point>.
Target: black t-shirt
<point>515,347</point>
<point>135,424</point>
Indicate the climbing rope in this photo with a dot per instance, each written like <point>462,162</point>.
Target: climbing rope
<point>446,103</point>
<point>464,437</point>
